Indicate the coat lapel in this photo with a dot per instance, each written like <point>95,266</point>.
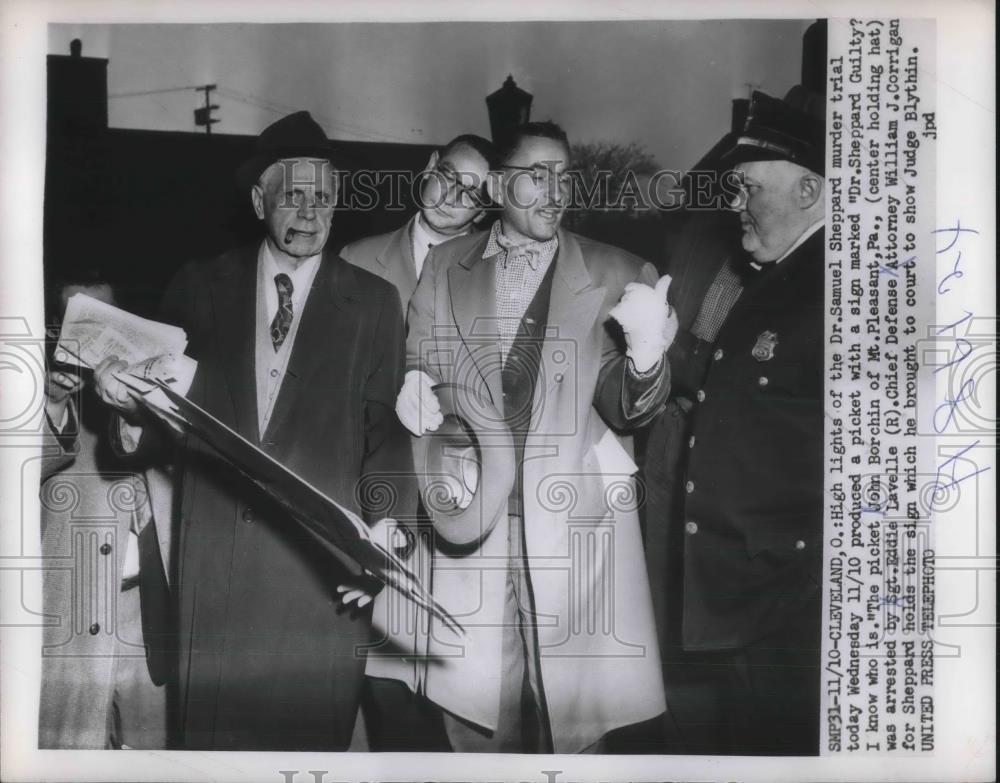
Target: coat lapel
<point>472,291</point>
<point>234,302</point>
<point>396,258</point>
<point>573,307</point>
<point>331,287</point>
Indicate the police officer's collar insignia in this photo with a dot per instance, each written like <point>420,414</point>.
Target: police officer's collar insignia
<point>763,349</point>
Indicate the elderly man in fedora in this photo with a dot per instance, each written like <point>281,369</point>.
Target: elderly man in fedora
<point>734,465</point>
<point>302,354</point>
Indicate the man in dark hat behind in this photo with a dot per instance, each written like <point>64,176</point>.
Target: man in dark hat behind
<point>302,354</point>
<point>734,464</point>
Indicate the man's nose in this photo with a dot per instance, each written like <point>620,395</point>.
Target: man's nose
<point>738,203</point>
<point>559,194</point>
<point>307,207</point>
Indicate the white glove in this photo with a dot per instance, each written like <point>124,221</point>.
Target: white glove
<point>648,322</point>
<point>417,405</point>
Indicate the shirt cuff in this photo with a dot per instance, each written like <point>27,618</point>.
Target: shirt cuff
<point>128,435</point>
<point>60,426</point>
<point>644,374</point>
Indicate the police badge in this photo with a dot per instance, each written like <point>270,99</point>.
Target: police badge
<point>763,349</point>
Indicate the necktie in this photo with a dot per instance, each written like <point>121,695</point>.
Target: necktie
<point>283,318</point>
<point>530,251</point>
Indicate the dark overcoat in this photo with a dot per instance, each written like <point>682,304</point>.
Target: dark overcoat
<point>735,472</point>
<point>269,659</point>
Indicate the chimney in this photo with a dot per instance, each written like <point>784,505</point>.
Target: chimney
<point>78,93</point>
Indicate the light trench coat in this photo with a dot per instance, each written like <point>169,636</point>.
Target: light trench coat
<point>597,641</point>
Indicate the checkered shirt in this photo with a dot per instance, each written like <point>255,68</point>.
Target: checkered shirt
<point>719,300</point>
<point>518,272</point>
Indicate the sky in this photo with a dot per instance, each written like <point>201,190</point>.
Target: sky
<point>667,85</point>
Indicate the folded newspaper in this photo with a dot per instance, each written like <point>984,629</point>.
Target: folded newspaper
<point>93,331</point>
<point>160,375</point>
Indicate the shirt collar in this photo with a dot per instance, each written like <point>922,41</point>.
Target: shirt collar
<point>300,275</point>
<point>425,236</point>
<point>543,251</point>
<point>812,229</point>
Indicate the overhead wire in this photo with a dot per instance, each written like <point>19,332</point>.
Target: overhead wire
<point>275,107</point>
<point>280,108</point>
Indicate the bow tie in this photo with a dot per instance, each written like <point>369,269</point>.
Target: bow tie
<point>530,251</point>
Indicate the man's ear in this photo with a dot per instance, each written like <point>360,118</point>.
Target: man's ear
<point>257,198</point>
<point>494,187</point>
<point>432,161</point>
<point>810,189</point>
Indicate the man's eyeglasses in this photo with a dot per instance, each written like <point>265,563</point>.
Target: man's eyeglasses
<point>469,195</point>
<point>540,175</point>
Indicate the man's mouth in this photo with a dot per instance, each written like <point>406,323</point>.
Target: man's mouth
<point>292,233</point>
<point>550,214</point>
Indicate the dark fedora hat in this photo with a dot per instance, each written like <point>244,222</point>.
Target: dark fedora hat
<point>297,135</point>
<point>777,130</point>
<point>471,457</point>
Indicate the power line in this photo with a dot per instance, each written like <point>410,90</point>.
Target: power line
<point>279,108</point>
<point>153,92</point>
<point>274,107</point>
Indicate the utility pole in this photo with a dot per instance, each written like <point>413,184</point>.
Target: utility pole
<point>203,116</point>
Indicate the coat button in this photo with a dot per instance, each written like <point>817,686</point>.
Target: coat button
<point>248,515</point>
<point>691,442</point>
<point>718,354</point>
<point>94,629</point>
<point>762,381</point>
<point>689,487</point>
<point>700,395</point>
<point>800,544</point>
<point>105,549</point>
<point>690,528</point>
<point>559,377</point>
<point>274,373</point>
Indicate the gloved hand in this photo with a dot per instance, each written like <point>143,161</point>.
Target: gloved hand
<point>648,322</point>
<point>417,405</point>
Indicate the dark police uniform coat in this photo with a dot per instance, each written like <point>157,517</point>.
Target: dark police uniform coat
<point>735,470</point>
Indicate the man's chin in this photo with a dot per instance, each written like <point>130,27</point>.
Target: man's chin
<point>302,247</point>
<point>545,232</point>
<point>444,223</point>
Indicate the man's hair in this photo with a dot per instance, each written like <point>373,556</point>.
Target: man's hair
<point>61,279</point>
<point>477,143</point>
<point>542,130</point>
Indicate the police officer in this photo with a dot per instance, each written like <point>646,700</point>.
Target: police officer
<point>734,464</point>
